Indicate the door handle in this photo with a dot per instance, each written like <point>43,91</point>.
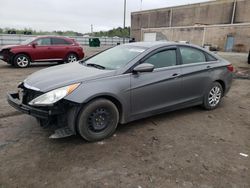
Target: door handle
<point>175,75</point>
<point>208,67</point>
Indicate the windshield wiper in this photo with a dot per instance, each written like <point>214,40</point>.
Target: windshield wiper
<point>95,65</point>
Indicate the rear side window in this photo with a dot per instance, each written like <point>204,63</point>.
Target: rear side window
<point>161,59</point>
<point>192,55</point>
<point>210,57</point>
<point>43,42</point>
<point>59,41</point>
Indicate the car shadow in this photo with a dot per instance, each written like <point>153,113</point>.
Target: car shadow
<point>32,65</point>
<point>123,129</point>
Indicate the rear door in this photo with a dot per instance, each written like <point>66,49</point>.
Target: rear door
<point>196,73</point>
<point>152,91</point>
<point>60,47</point>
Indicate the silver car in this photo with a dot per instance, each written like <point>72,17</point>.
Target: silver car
<point>123,84</point>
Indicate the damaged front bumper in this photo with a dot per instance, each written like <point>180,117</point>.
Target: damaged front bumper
<point>14,101</point>
<point>6,56</point>
<point>61,116</point>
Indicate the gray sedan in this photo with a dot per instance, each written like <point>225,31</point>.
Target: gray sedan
<point>123,84</point>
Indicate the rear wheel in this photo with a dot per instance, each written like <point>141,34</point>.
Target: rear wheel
<point>213,96</point>
<point>21,61</point>
<point>98,120</point>
<point>71,58</point>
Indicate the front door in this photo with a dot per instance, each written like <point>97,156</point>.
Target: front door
<point>43,50</point>
<point>153,91</point>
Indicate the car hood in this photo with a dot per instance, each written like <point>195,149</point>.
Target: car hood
<point>9,46</point>
<point>63,75</point>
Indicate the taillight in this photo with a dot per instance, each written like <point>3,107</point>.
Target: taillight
<point>230,68</point>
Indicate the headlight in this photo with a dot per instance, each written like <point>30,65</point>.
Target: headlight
<point>53,96</point>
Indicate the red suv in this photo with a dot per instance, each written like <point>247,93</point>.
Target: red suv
<point>42,49</point>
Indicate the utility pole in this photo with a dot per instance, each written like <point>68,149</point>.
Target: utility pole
<point>233,13</point>
<point>124,19</point>
<point>91,30</point>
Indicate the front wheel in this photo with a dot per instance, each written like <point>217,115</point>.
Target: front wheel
<point>213,96</point>
<point>21,61</point>
<point>98,120</point>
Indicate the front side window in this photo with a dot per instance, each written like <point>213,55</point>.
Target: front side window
<point>192,55</point>
<point>43,42</point>
<point>163,59</point>
<point>59,41</point>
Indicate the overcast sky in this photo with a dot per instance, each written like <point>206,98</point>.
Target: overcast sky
<point>76,15</point>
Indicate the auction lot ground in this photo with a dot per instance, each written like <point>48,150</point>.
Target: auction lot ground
<point>185,148</point>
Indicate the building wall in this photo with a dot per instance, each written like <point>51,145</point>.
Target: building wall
<point>213,35</point>
<point>209,13</point>
<point>242,12</point>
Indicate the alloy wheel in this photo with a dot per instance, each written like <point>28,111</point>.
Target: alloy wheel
<point>214,96</point>
<point>22,61</point>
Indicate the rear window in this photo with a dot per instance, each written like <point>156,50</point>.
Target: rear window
<point>60,41</point>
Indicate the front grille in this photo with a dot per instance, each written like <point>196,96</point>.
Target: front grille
<point>29,95</point>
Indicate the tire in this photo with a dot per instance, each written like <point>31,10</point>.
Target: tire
<point>213,96</point>
<point>71,57</point>
<point>97,120</point>
<point>21,61</point>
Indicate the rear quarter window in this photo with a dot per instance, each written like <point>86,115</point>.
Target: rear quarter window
<point>210,57</point>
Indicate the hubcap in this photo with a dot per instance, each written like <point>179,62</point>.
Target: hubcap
<point>214,96</point>
<point>22,61</point>
<point>99,120</point>
<point>72,58</point>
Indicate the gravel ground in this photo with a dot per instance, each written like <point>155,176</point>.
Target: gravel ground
<point>185,148</point>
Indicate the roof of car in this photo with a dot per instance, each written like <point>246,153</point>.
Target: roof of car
<point>159,44</point>
<point>151,44</point>
<point>52,36</point>
<point>162,44</point>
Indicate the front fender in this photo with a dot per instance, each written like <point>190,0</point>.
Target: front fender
<point>25,51</point>
<point>117,87</point>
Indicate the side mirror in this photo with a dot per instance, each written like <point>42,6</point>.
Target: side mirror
<point>144,67</point>
<point>34,44</point>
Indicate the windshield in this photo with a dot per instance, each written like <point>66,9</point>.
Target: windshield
<point>27,41</point>
<point>116,57</point>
